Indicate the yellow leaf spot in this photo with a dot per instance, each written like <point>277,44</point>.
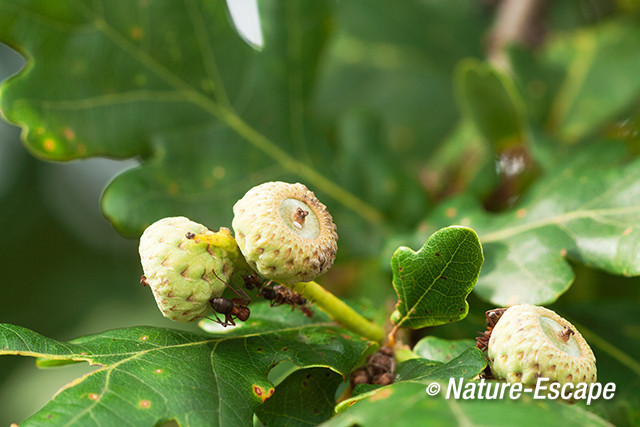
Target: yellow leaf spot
<point>144,404</point>
<point>218,172</point>
<point>521,213</point>
<point>382,394</point>
<point>93,396</point>
<point>158,371</point>
<point>627,231</point>
<point>49,145</point>
<point>136,33</point>
<point>144,338</point>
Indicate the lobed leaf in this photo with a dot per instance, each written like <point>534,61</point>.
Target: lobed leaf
<point>433,283</point>
<point>173,83</point>
<point>148,375</point>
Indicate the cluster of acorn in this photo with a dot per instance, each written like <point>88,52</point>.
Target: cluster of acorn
<point>379,369</point>
<point>282,234</point>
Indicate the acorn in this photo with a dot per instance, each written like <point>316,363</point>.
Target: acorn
<point>284,232</point>
<point>184,275</point>
<point>529,342</point>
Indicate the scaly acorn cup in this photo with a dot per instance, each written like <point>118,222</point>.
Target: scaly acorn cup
<point>530,342</point>
<point>183,274</point>
<point>284,232</point>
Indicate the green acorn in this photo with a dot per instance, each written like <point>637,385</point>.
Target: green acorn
<point>529,342</point>
<point>284,232</point>
<point>182,273</point>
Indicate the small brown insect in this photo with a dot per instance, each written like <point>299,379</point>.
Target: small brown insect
<point>230,307</point>
<point>143,281</point>
<point>482,341</point>
<point>280,294</point>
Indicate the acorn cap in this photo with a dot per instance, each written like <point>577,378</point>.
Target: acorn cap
<point>284,232</point>
<point>181,272</point>
<point>530,342</point>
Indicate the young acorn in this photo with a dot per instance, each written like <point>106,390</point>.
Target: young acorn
<point>284,232</point>
<point>530,342</point>
<point>182,274</point>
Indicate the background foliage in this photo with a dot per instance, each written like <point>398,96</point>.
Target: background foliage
<point>393,115</point>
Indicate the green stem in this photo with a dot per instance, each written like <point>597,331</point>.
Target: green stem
<point>338,310</point>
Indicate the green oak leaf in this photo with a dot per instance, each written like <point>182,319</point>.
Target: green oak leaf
<point>407,403</point>
<point>583,211</point>
<point>174,84</point>
<point>467,364</point>
<point>433,283</point>
<point>148,375</point>
<point>304,398</point>
<point>441,350</point>
<point>491,101</point>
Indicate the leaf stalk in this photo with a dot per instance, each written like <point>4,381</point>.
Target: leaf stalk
<point>338,310</point>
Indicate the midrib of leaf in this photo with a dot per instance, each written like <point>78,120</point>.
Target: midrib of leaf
<point>231,119</point>
<point>556,220</point>
<point>205,48</point>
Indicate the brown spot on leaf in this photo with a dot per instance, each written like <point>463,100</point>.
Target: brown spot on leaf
<point>144,338</point>
<point>144,404</point>
<point>260,392</point>
<point>93,396</point>
<point>382,394</point>
<point>158,371</point>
